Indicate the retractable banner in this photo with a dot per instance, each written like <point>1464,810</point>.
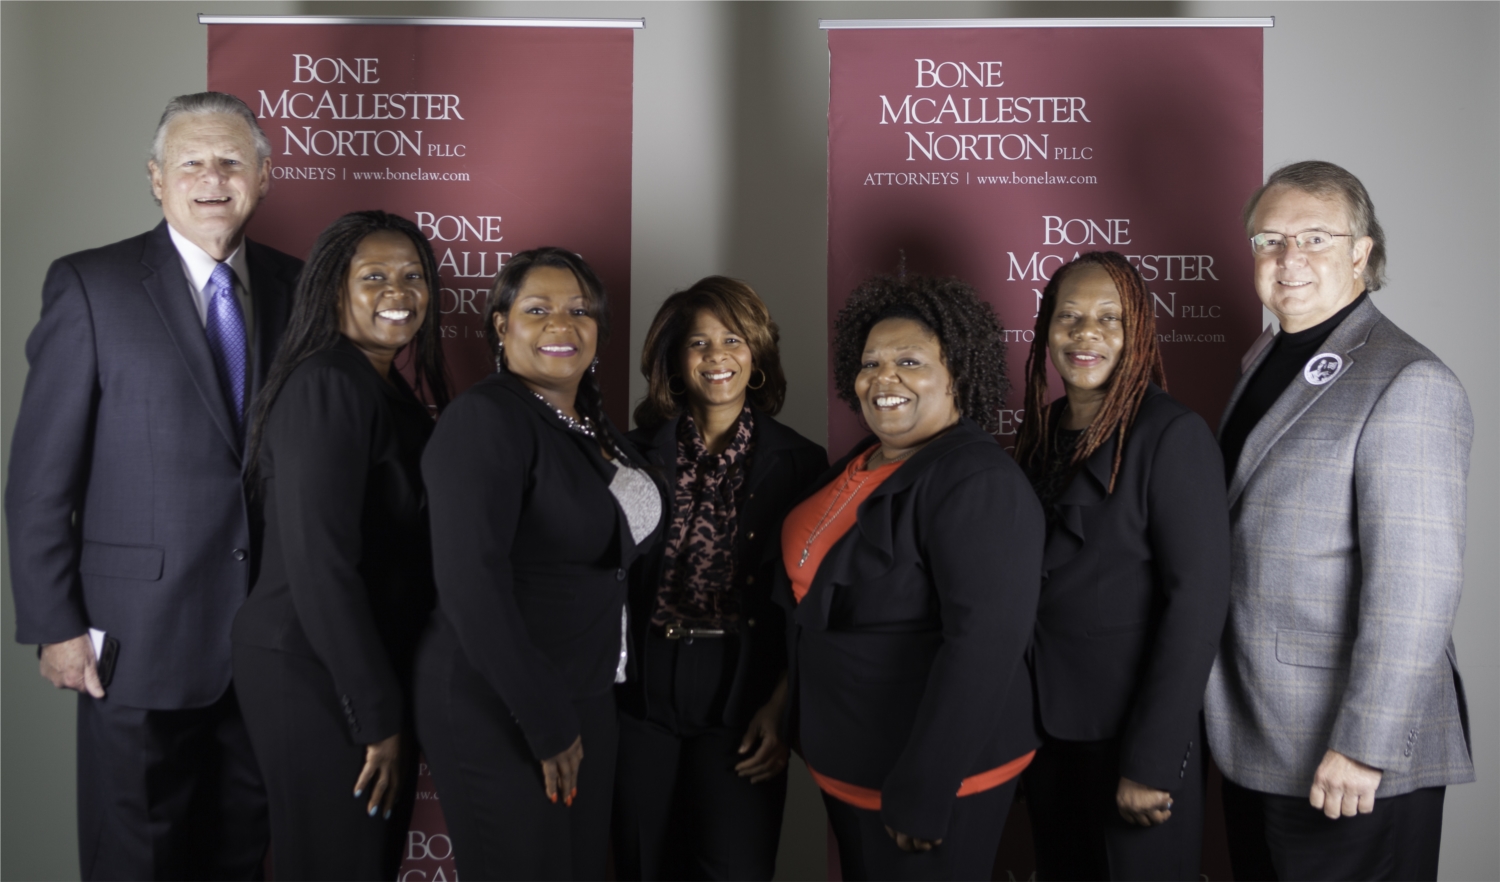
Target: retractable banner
<point>996,151</point>
<point>493,135</point>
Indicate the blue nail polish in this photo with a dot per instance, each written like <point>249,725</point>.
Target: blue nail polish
<point>372,810</point>
<point>387,814</point>
<point>358,794</point>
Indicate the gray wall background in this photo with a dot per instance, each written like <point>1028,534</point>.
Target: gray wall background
<point>730,177</point>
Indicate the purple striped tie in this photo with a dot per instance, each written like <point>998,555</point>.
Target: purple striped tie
<point>226,339</point>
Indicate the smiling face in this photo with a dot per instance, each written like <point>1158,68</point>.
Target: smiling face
<point>209,179</point>
<point>716,363</point>
<point>550,335</point>
<point>905,391</point>
<point>385,298</point>
<point>1301,289</point>
<point>1087,333</point>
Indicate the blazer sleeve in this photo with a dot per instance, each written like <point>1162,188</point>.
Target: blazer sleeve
<point>320,435</point>
<point>475,468</point>
<point>1410,480</point>
<point>1188,528</point>
<point>983,550</point>
<point>49,463</point>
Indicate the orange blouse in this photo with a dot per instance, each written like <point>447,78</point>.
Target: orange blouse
<point>812,529</point>
<point>807,535</point>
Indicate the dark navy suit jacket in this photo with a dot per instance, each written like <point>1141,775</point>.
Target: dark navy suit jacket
<point>124,506</point>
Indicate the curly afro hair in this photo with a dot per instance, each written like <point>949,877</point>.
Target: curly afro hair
<point>966,327</point>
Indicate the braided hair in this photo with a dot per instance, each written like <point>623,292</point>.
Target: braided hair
<point>317,309</point>
<point>1139,364</point>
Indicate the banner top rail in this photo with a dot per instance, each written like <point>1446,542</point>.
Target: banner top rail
<point>900,23</point>
<point>421,20</point>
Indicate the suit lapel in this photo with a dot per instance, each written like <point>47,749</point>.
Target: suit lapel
<point>1089,487</point>
<point>271,295</point>
<point>875,519</point>
<point>167,287</point>
<point>1259,351</point>
<point>1300,395</point>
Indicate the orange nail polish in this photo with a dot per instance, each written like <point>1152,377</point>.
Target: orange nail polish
<point>553,797</point>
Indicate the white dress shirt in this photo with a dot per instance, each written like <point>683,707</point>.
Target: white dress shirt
<point>198,265</point>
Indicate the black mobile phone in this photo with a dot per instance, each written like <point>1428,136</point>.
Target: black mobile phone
<point>106,664</point>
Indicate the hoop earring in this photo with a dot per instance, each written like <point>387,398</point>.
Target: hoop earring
<point>500,357</point>
<point>757,387</point>
<point>675,391</point>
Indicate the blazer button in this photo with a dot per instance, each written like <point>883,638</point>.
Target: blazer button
<point>619,575</point>
<point>751,623</point>
<point>751,535</point>
<point>749,580</point>
<point>240,554</point>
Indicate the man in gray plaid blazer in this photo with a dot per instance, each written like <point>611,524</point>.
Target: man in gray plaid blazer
<point>1335,708</point>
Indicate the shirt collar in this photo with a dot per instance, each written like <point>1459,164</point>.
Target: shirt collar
<point>199,264</point>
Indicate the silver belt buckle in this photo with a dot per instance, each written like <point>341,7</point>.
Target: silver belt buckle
<point>678,631</point>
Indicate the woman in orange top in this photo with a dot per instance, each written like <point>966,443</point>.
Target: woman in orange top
<point>912,578</point>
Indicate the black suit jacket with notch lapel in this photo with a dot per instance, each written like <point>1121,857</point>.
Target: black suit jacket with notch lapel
<point>783,467</point>
<point>1135,593</point>
<point>124,505</point>
<point>530,552</point>
<point>345,562</point>
<point>906,652</point>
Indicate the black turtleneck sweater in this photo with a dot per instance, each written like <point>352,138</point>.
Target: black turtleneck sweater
<point>1289,354</point>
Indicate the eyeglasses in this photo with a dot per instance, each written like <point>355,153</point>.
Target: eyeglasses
<point>1308,241</point>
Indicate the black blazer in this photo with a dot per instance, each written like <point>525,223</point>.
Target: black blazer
<point>782,469</point>
<point>1136,590</point>
<point>346,565</point>
<point>124,504</point>
<point>906,652</point>
<point>530,550</point>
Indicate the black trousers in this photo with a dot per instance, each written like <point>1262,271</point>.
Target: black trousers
<point>1076,825</point>
<point>1283,837</point>
<point>490,786</point>
<point>866,851</point>
<point>319,830</point>
<point>681,811</point>
<point>168,794</point>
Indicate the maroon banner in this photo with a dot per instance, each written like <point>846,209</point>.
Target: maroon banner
<point>998,154</point>
<point>492,139</point>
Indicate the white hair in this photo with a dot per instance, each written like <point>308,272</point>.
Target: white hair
<point>203,103</point>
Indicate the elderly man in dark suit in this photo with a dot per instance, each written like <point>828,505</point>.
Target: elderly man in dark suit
<point>1335,708</point>
<point>129,536</point>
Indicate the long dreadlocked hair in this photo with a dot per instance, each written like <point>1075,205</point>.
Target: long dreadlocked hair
<point>1139,364</point>
<point>314,325</point>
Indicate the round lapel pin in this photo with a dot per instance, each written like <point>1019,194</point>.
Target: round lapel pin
<point>1322,368</point>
